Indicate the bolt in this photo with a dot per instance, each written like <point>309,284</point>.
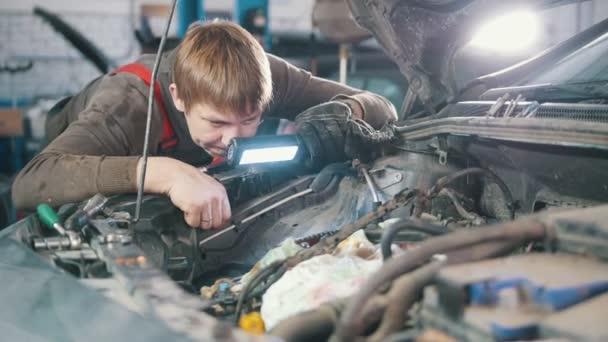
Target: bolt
<point>416,83</point>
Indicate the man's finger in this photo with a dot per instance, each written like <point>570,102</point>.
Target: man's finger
<point>193,220</point>
<point>226,210</point>
<point>216,209</point>
<point>206,217</point>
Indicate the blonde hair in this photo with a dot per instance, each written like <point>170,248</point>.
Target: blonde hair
<point>221,64</point>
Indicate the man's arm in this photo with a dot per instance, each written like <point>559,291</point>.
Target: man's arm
<point>98,153</point>
<point>295,90</point>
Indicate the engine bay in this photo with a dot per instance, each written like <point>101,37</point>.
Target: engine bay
<point>453,236</point>
<point>481,215</point>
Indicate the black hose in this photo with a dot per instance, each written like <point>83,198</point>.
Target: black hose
<point>263,274</point>
<point>405,224</point>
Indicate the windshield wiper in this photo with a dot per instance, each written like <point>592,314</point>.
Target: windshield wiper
<point>552,92</point>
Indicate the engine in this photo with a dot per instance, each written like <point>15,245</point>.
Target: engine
<point>444,236</point>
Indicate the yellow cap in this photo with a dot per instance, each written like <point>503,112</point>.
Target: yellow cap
<point>252,323</point>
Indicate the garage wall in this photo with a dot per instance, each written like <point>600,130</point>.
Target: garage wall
<point>59,70</point>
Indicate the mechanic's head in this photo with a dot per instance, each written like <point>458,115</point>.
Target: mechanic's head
<point>222,82</point>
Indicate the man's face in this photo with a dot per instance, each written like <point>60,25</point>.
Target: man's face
<point>212,130</point>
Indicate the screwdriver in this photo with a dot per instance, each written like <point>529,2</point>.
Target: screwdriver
<point>47,215</point>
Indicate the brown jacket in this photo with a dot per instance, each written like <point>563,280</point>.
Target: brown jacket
<point>97,137</point>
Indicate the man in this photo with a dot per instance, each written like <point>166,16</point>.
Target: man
<point>218,84</point>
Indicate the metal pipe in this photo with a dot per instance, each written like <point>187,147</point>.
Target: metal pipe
<point>144,166</point>
<point>284,190</point>
<point>52,243</point>
<point>407,104</point>
<point>255,215</point>
<point>370,185</point>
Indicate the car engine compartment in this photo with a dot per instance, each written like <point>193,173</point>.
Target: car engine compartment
<point>447,236</point>
<point>485,219</point>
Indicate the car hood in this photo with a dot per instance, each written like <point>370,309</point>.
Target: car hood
<point>422,36</point>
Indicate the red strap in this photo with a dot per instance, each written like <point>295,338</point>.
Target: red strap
<point>168,138</point>
<point>216,160</point>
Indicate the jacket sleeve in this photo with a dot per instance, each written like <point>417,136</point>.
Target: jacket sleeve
<point>295,90</point>
<point>97,153</point>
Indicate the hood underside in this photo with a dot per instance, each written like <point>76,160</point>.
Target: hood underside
<point>422,36</point>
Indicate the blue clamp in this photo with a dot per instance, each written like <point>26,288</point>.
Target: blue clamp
<point>554,299</point>
<point>487,292</point>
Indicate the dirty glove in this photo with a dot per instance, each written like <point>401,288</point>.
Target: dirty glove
<point>331,134</point>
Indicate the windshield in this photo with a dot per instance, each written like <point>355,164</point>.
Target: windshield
<point>588,64</point>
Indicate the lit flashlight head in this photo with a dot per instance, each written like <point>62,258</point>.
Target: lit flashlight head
<point>264,149</point>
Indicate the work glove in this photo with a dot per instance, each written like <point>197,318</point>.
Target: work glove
<point>331,134</point>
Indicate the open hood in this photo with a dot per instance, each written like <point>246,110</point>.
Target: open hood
<point>422,36</point>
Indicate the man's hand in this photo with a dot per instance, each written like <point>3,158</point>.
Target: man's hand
<point>202,199</point>
<point>332,133</point>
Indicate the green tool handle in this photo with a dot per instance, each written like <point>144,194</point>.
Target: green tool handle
<point>47,215</point>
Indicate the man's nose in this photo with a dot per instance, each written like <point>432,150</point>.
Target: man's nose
<point>229,133</point>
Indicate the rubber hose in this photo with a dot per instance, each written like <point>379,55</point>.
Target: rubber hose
<point>391,231</point>
<point>523,230</point>
<point>314,325</point>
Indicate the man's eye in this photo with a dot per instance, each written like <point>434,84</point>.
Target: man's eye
<point>216,124</point>
<point>251,121</point>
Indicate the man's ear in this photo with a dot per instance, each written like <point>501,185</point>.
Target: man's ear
<point>177,101</point>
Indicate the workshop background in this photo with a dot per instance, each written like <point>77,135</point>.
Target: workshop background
<point>38,65</point>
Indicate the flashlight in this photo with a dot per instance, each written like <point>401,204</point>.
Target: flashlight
<point>263,149</point>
